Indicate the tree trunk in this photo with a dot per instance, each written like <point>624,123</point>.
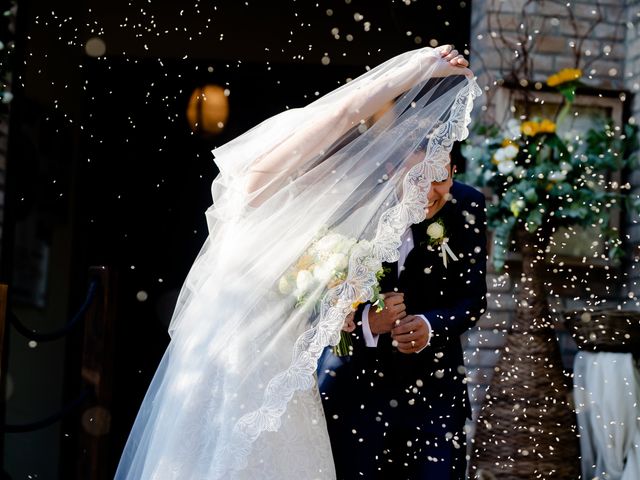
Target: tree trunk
<point>527,428</point>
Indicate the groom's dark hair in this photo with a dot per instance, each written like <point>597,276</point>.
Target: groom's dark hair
<point>457,159</point>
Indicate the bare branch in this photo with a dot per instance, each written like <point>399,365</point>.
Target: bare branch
<point>619,24</point>
<point>592,27</point>
<point>497,47</point>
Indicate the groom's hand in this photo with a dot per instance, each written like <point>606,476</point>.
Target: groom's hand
<point>411,335</point>
<point>394,310</point>
<point>349,324</point>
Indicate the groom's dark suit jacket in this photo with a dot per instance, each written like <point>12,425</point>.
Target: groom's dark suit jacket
<point>380,390</point>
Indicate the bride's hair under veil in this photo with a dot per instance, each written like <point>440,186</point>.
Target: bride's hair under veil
<point>318,177</point>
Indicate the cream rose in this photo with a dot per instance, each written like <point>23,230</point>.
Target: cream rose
<point>321,273</point>
<point>304,281</point>
<point>285,286</point>
<point>435,231</point>
<point>506,167</point>
<point>338,262</point>
<point>510,151</point>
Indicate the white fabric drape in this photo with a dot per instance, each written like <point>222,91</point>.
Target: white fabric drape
<point>607,398</point>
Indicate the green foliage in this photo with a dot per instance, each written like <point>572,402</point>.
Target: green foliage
<point>543,179</point>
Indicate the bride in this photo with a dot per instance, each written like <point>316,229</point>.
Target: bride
<point>306,207</point>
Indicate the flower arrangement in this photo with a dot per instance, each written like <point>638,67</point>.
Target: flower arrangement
<point>323,266</point>
<point>541,180</point>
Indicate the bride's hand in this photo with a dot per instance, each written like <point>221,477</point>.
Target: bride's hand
<point>448,53</point>
<point>456,63</point>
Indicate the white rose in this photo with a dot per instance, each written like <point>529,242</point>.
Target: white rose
<point>557,176</point>
<point>565,166</point>
<point>488,175</point>
<point>513,128</point>
<point>346,245</point>
<point>435,231</point>
<point>284,286</point>
<point>519,172</point>
<point>321,273</point>
<point>373,264</point>
<point>506,167</point>
<point>328,243</point>
<point>510,151</point>
<point>338,262</point>
<point>304,281</point>
<point>500,156</point>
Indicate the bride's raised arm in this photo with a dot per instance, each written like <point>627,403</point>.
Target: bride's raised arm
<point>346,108</point>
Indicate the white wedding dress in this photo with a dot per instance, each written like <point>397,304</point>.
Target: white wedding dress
<point>235,395</point>
<point>299,449</point>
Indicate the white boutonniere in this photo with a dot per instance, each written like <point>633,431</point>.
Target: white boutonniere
<point>438,237</point>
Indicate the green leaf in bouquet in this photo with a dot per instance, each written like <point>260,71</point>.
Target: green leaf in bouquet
<point>560,188</point>
<point>632,203</point>
<point>486,130</point>
<point>534,220</point>
<point>554,141</point>
<point>631,142</point>
<point>531,195</point>
<point>501,236</point>
<point>568,91</point>
<point>616,253</point>
<point>574,211</point>
<point>533,149</point>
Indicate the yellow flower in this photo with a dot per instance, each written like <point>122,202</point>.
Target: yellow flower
<point>355,305</point>
<point>304,262</point>
<point>547,126</point>
<point>507,141</point>
<point>533,128</point>
<point>516,207</point>
<point>563,76</point>
<point>530,128</point>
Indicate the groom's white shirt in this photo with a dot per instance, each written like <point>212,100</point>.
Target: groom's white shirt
<point>370,339</point>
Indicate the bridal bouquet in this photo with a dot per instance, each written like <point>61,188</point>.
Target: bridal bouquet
<point>324,266</point>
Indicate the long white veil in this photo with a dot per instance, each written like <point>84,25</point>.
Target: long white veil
<point>257,308</point>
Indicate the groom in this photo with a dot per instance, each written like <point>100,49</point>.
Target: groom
<point>396,408</point>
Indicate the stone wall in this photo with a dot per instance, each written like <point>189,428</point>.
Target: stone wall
<point>632,84</point>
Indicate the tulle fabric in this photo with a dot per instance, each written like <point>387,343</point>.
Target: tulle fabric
<point>607,394</point>
<point>235,395</point>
